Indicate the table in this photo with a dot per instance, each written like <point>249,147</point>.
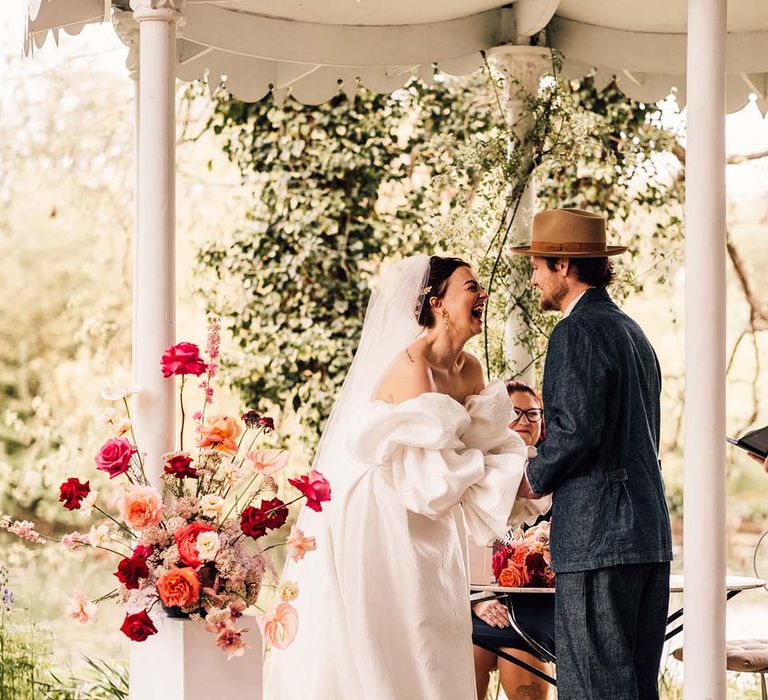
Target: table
<point>733,586</point>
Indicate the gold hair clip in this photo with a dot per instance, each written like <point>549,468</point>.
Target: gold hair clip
<point>426,290</point>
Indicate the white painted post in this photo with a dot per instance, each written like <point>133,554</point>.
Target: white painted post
<point>181,662</point>
<point>154,295</point>
<point>524,67</point>
<point>127,28</point>
<point>154,302</point>
<point>705,296</point>
<point>527,65</point>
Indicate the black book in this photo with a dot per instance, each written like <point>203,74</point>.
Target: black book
<point>755,441</point>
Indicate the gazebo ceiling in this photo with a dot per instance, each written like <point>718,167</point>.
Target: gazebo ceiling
<point>313,48</point>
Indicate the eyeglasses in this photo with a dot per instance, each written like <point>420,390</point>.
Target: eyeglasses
<point>532,415</point>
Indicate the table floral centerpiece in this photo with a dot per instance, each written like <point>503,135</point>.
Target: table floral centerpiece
<point>195,545</point>
<point>522,559</point>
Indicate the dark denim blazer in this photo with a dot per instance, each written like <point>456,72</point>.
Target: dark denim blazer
<point>602,386</point>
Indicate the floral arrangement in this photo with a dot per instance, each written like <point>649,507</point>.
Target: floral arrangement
<point>523,560</point>
<point>193,546</point>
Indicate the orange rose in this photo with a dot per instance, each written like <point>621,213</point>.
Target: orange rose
<point>513,576</point>
<point>179,587</point>
<point>220,433</point>
<point>186,540</point>
<point>519,555</point>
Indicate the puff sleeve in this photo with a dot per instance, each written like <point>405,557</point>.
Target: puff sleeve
<point>442,454</point>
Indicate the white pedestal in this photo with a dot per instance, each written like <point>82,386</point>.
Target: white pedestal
<point>182,662</point>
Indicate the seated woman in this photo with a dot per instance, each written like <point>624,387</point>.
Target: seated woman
<point>534,612</point>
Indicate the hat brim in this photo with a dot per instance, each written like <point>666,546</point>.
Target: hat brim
<point>530,250</point>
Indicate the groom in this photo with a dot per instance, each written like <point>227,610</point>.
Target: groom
<point>611,543</point>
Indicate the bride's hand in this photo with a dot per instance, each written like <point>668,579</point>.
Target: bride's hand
<point>492,613</point>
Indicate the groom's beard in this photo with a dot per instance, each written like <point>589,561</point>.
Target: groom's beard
<point>551,301</point>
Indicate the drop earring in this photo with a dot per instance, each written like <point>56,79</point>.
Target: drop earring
<point>446,318</point>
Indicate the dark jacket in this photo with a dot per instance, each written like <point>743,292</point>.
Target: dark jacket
<point>602,386</point>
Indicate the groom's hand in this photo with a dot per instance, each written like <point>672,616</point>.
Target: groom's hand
<point>525,490</point>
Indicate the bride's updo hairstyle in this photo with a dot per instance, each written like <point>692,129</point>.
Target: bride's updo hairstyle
<point>435,283</point>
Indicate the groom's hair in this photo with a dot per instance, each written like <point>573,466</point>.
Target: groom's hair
<point>440,269</point>
<point>596,272</point>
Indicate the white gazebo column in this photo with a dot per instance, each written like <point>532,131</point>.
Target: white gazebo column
<point>523,66</point>
<point>127,28</point>
<point>705,295</point>
<point>154,294</point>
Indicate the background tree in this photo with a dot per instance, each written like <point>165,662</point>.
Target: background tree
<point>336,188</point>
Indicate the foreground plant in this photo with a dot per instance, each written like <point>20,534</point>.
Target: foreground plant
<point>194,546</point>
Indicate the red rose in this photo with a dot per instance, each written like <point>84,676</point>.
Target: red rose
<point>179,465</point>
<point>315,487</point>
<point>536,566</point>
<point>252,523</point>
<point>274,512</point>
<point>499,561</point>
<point>182,358</point>
<point>129,571</point>
<point>138,627</point>
<point>72,492</point>
<point>143,551</point>
<point>270,515</point>
<point>115,457</point>
<point>186,541</point>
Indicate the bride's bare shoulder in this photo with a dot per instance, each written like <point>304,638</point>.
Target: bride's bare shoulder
<point>473,373</point>
<point>407,376</point>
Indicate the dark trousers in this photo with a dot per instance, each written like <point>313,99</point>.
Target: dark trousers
<point>609,632</point>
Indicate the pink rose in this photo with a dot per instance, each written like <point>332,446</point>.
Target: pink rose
<point>182,358</point>
<point>141,507</point>
<point>279,628</point>
<point>115,457</point>
<point>499,561</point>
<point>315,487</point>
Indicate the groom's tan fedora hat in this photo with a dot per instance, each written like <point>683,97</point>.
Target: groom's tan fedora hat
<point>568,233</point>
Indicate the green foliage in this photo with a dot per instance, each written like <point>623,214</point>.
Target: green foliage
<point>104,680</point>
<point>340,186</point>
<point>28,661</point>
<point>588,148</point>
<point>337,188</point>
<point>631,174</point>
<point>25,651</point>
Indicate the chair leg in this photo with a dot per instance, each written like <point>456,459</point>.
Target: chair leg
<point>763,689</point>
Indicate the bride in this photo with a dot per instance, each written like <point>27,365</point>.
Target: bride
<point>418,452</point>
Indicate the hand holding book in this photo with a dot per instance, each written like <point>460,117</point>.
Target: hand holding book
<point>755,442</point>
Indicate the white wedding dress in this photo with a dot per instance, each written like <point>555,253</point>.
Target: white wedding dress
<point>384,601</point>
